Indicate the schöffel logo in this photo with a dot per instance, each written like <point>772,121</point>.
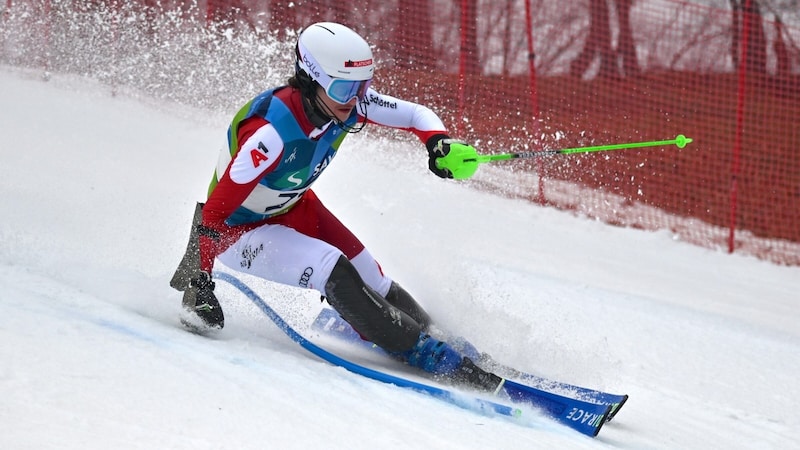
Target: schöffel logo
<point>363,63</point>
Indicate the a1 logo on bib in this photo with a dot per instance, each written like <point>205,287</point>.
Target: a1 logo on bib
<point>259,155</point>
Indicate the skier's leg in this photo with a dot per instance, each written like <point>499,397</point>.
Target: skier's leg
<point>397,332</point>
<point>312,218</point>
<point>368,312</point>
<point>401,299</point>
<point>281,254</point>
<point>373,276</point>
<point>284,255</point>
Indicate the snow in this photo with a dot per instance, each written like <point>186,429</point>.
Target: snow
<point>96,197</point>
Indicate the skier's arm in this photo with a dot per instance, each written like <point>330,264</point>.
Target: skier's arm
<point>259,153</point>
<point>422,121</point>
<point>396,113</point>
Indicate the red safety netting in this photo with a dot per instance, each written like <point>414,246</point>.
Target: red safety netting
<point>517,75</point>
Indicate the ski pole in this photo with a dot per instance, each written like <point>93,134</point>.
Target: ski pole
<point>464,161</point>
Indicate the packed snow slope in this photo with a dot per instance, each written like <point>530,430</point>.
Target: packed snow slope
<point>96,195</point>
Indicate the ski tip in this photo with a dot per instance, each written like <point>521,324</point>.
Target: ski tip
<point>616,407</point>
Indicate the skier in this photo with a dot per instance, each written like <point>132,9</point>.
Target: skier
<point>262,218</point>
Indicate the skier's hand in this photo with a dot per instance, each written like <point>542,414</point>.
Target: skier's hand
<point>206,305</point>
<point>203,281</point>
<point>438,146</point>
<point>454,166</point>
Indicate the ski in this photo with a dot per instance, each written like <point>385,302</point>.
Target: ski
<point>584,417</point>
<point>330,322</point>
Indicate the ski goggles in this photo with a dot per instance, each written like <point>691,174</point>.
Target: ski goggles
<point>338,89</point>
<point>342,91</point>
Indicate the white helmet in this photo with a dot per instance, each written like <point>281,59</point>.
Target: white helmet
<point>339,51</point>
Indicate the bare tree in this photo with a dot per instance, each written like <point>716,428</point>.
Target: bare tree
<point>626,48</point>
<point>781,50</point>
<point>747,13</point>
<point>598,42</point>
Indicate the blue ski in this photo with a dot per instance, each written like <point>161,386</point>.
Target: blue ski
<point>329,322</point>
<point>584,417</point>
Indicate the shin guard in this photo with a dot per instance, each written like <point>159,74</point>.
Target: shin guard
<point>368,312</point>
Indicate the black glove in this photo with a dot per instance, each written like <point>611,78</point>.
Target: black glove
<point>206,305</point>
<point>202,281</point>
<point>438,146</point>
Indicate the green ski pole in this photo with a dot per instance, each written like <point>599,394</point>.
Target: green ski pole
<point>463,160</point>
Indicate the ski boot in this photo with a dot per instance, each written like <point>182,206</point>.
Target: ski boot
<point>439,358</point>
